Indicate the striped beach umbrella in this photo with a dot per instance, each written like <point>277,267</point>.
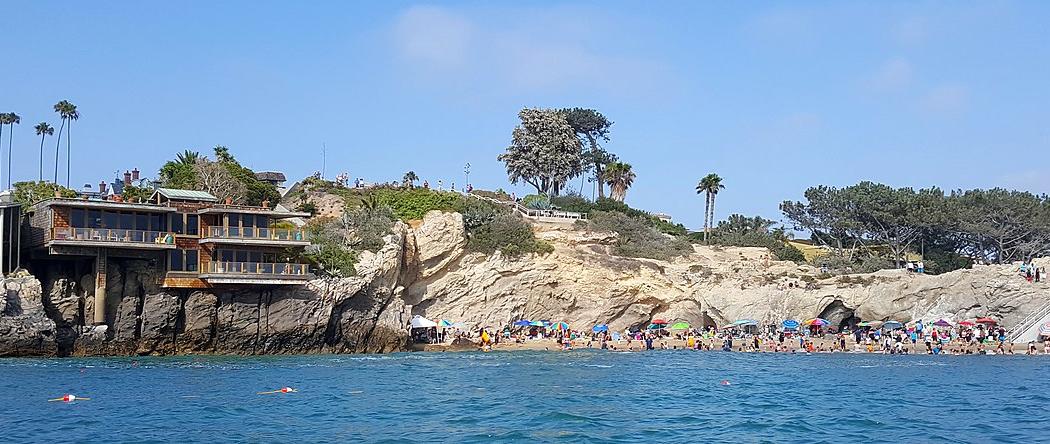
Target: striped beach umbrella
<point>816,322</point>
<point>790,324</point>
<point>559,326</point>
<point>1044,330</point>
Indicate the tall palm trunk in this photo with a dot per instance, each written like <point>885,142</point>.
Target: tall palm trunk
<point>711,224</point>
<point>10,142</point>
<point>67,152</point>
<point>42,135</point>
<point>58,146</point>
<point>707,214</point>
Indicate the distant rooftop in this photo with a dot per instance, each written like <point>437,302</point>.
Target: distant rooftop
<point>171,193</point>
<point>270,176</point>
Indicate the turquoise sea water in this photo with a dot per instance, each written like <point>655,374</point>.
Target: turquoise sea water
<point>662,396</point>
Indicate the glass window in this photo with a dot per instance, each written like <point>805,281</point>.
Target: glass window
<point>192,225</point>
<point>233,220</point>
<point>76,218</point>
<point>127,221</point>
<point>175,260</point>
<point>177,223</point>
<point>227,255</point>
<point>158,222</point>
<point>191,260</point>
<point>242,256</point>
<point>269,257</point>
<point>110,220</point>
<point>142,222</point>
<point>254,256</point>
<point>94,219</point>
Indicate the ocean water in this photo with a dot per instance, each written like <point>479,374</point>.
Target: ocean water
<point>578,396</point>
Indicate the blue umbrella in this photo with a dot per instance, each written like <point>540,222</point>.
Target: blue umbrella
<point>790,324</point>
<point>522,323</point>
<point>537,324</point>
<point>892,325</point>
<point>600,328</point>
<point>745,322</point>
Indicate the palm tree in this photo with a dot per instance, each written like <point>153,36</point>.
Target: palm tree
<point>709,185</point>
<point>68,112</point>
<point>43,129</point>
<point>409,179</point>
<point>188,157</point>
<point>12,120</point>
<point>619,177</point>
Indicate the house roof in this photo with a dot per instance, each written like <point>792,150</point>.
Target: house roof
<point>172,193</point>
<point>275,176</point>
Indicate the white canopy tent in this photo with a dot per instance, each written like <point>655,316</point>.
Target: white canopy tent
<point>421,322</point>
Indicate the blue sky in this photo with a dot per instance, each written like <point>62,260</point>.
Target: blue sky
<point>773,96</point>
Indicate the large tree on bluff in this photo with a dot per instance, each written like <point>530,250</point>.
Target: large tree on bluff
<point>544,151</point>
<point>591,127</point>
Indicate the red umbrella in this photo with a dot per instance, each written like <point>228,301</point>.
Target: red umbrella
<point>966,324</point>
<point>659,321</point>
<point>989,321</point>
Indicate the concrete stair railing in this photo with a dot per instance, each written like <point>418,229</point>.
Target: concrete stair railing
<point>1033,321</point>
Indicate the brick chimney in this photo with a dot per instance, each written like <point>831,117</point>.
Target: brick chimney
<point>102,188</point>
<point>135,174</point>
<point>127,178</point>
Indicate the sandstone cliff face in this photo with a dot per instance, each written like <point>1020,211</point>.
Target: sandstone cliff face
<point>427,271</point>
<point>582,284</point>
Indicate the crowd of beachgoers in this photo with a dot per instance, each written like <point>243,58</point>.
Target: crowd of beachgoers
<point>982,336</point>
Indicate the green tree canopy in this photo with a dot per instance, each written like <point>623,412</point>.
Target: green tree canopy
<point>544,151</point>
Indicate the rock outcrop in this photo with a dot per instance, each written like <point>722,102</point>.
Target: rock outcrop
<point>428,271</point>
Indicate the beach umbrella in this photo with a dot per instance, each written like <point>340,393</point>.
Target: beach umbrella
<point>1044,330</point>
<point>892,325</point>
<point>816,322</point>
<point>966,324</point>
<point>656,326</point>
<point>600,328</point>
<point>744,322</point>
<point>986,320</point>
<point>460,325</point>
<point>421,322</point>
<point>445,323</point>
<point>790,324</point>
<point>870,324</point>
<point>522,323</point>
<point>942,323</point>
<point>680,326</point>
<point>537,324</point>
<point>659,322</point>
<point>559,326</point>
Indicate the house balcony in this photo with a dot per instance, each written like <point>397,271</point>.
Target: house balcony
<point>223,272</point>
<point>268,237</point>
<point>112,237</point>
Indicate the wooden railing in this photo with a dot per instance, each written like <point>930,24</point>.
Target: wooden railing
<point>283,234</point>
<point>113,235</point>
<point>258,268</point>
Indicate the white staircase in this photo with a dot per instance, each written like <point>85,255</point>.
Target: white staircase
<point>1028,329</point>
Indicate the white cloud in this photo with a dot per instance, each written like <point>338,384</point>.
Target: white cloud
<point>892,75</point>
<point>520,50</point>
<point>949,99</point>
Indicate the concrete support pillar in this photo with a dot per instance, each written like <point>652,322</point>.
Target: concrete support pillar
<point>100,287</point>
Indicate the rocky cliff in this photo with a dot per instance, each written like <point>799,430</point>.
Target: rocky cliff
<point>427,271</point>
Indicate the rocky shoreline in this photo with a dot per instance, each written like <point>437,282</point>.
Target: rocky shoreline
<point>427,271</point>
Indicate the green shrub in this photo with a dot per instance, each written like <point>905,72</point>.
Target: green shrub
<point>414,203</point>
<point>576,204</point>
<point>329,252</point>
<point>507,233</point>
<point>636,237</point>
<point>536,202</point>
<point>29,193</point>
<point>367,227</point>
